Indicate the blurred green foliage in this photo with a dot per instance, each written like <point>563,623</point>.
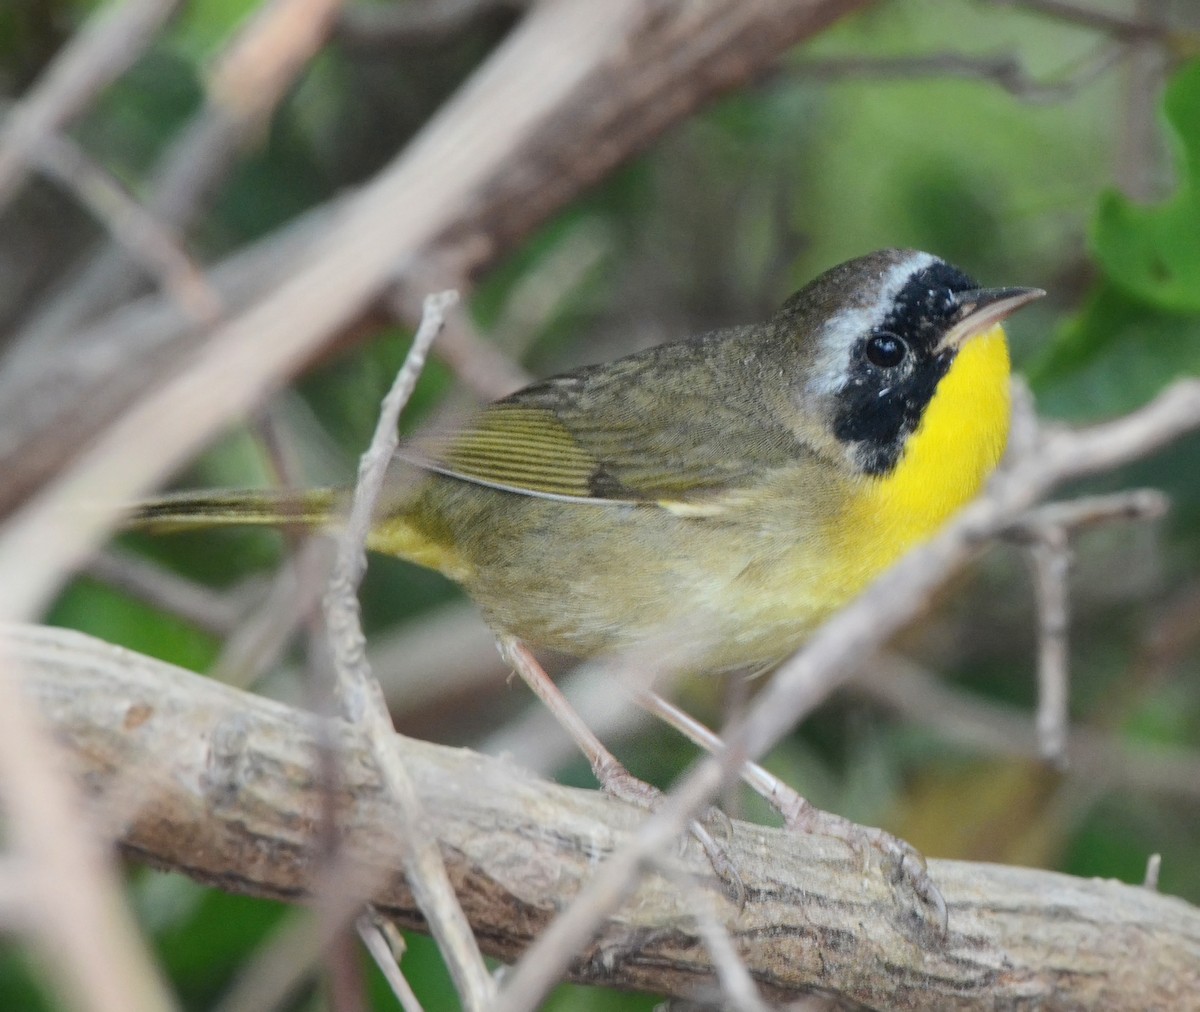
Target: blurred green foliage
<point>718,223</point>
<point>1140,324</point>
<point>1152,252</point>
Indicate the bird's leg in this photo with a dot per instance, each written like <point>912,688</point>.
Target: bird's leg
<point>799,815</point>
<point>608,769</point>
<point>614,778</point>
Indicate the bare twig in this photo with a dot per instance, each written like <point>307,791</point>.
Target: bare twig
<point>1140,154</point>
<point>490,368</point>
<point>280,965</point>
<point>387,958</point>
<point>273,973</point>
<point>263,633</point>
<point>1096,755</point>
<point>363,699</point>
<point>99,53</point>
<point>737,986</point>
<point>1088,511</point>
<point>16,902</point>
<point>1153,868</point>
<point>372,469</point>
<point>479,365</point>
<point>260,64</point>
<point>144,237</point>
<point>1050,562</point>
<point>1118,25</point>
<point>541,293</point>
<point>215,612</point>
<point>1005,71</point>
<point>244,84</point>
<point>293,598</point>
<point>1045,529</point>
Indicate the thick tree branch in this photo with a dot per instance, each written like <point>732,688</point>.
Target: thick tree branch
<point>223,786</point>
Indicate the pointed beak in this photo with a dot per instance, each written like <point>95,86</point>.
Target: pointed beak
<point>981,309</point>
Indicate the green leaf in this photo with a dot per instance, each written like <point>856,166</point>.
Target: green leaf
<point>1116,354</point>
<point>1140,327</point>
<point>1154,252</point>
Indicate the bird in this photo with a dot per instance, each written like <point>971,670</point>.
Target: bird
<point>710,500</point>
<point>736,488</point>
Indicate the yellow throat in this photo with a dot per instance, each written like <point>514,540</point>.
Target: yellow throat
<point>957,444</point>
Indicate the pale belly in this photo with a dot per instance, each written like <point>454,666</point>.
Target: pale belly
<point>738,590</point>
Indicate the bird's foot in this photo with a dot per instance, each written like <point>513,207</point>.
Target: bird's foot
<point>904,866</point>
<point>618,782</point>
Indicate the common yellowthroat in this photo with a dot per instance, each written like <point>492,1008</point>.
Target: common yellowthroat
<point>743,484</point>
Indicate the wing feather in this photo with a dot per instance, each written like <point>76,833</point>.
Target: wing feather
<point>616,434</point>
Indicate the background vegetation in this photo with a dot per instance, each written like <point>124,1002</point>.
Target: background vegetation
<point>1029,148</point>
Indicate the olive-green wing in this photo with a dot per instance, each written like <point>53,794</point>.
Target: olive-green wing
<point>617,434</point>
<point>520,449</point>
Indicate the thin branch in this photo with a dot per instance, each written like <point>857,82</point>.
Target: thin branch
<point>490,368</point>
<point>143,236</point>
<point>16,901</point>
<point>244,84</point>
<point>736,985</point>
<point>1007,72</point>
<point>372,469</point>
<point>215,612</point>
<point>479,365</point>
<point>1085,512</point>
<point>1050,562</point>
<point>264,632</point>
<point>1138,168</point>
<point>97,55</point>
<point>280,965</point>
<point>362,696</point>
<point>548,287</point>
<point>387,958</point>
<point>1118,25</point>
<point>995,729</point>
<point>1153,869</point>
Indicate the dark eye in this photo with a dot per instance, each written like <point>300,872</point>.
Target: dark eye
<point>886,350</point>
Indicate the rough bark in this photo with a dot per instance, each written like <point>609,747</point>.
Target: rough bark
<point>225,787</point>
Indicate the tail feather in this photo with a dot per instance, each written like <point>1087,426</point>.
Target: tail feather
<point>248,507</point>
<point>322,507</point>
